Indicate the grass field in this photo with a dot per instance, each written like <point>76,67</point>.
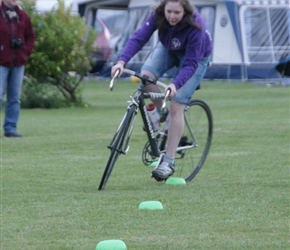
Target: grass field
<point>239,200</point>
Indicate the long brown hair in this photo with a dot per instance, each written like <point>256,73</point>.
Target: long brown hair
<point>188,12</point>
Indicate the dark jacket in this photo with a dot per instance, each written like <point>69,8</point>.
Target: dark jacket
<point>20,27</point>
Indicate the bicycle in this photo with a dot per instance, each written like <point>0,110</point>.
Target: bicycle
<point>193,147</point>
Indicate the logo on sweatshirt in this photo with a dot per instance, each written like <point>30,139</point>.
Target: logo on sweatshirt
<point>175,43</point>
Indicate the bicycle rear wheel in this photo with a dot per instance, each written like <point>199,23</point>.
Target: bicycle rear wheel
<point>119,145</point>
<point>196,140</point>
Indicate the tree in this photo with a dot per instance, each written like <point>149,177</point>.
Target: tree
<point>63,48</point>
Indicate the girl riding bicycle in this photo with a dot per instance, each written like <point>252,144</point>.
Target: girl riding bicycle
<point>185,43</point>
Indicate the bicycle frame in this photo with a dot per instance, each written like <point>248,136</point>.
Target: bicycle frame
<point>148,127</point>
<point>138,103</point>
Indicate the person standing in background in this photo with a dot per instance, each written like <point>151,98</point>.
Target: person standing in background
<point>17,40</point>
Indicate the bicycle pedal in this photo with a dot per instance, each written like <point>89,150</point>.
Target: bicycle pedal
<point>184,142</point>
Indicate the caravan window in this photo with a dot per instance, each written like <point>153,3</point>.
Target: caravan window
<point>208,14</point>
<point>267,30</point>
<point>121,24</point>
<point>115,20</point>
<point>137,17</point>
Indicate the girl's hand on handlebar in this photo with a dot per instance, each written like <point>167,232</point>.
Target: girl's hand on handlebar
<point>119,65</point>
<point>172,88</point>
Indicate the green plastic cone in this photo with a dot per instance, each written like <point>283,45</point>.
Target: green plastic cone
<point>151,205</point>
<point>111,245</point>
<point>153,164</point>
<point>175,181</point>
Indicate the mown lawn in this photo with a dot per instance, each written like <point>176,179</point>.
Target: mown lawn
<point>239,200</point>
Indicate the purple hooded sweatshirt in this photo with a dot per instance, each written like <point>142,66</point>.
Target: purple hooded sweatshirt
<point>181,40</point>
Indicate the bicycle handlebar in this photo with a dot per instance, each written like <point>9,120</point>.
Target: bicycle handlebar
<point>165,98</point>
<point>133,73</point>
<point>143,78</point>
<point>154,95</point>
<point>114,78</point>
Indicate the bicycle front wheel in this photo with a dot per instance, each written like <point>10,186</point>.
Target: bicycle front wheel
<point>120,144</point>
<point>196,140</point>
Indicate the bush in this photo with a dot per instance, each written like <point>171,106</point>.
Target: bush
<point>64,44</point>
<point>40,95</point>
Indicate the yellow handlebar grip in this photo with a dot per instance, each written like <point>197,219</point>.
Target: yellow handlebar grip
<point>135,79</point>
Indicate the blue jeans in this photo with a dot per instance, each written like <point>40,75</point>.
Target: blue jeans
<point>161,61</point>
<point>11,83</point>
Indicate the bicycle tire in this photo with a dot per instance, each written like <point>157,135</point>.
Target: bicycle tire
<point>116,147</point>
<point>198,130</point>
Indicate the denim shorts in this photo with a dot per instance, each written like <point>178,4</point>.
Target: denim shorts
<point>160,61</point>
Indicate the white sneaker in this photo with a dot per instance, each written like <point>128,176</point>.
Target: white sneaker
<point>163,171</point>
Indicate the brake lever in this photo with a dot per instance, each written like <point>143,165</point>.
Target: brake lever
<point>168,91</point>
<point>117,72</point>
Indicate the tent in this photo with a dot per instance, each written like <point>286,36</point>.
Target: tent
<point>249,36</point>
